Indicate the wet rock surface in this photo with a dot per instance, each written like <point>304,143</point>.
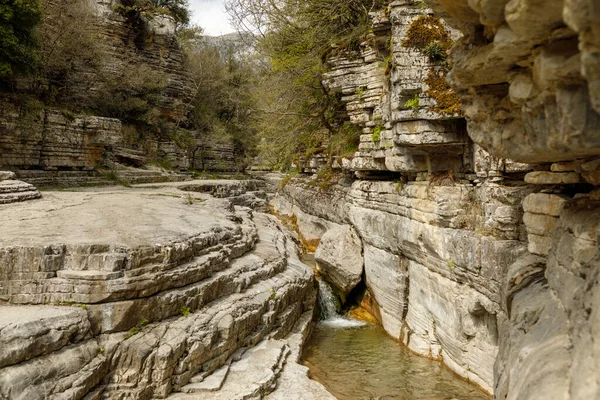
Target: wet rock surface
<point>479,228</point>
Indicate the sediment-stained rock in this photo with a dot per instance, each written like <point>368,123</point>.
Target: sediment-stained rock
<point>435,259</point>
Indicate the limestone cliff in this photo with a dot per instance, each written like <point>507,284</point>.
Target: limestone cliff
<point>477,204</point>
<point>41,138</point>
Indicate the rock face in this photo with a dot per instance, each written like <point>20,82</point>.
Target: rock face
<point>521,69</point>
<point>339,257</point>
<point>52,139</point>
<point>379,87</point>
<point>481,250</point>
<point>434,270</point>
<point>180,295</point>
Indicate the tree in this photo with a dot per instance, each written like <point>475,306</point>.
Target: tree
<point>221,107</point>
<point>69,51</point>
<point>296,113</point>
<point>18,20</point>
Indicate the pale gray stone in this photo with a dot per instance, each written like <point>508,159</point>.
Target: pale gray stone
<point>544,203</point>
<point>339,257</point>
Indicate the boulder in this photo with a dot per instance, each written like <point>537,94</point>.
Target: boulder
<point>339,257</point>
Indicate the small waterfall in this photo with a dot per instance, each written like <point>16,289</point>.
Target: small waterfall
<point>328,306</point>
<point>327,302</point>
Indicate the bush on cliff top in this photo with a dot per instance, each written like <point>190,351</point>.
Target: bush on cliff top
<point>134,9</point>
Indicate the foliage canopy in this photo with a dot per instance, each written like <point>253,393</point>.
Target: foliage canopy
<point>18,20</point>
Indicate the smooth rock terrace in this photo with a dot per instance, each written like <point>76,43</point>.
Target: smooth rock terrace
<point>145,292</point>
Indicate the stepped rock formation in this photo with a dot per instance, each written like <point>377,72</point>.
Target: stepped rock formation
<point>480,235</point>
<point>13,190</point>
<point>150,292</point>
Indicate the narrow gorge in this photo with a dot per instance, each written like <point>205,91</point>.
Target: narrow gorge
<point>458,237</point>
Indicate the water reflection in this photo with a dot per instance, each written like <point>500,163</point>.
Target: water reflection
<point>365,363</point>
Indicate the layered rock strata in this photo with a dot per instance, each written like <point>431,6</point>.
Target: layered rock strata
<point>434,260</point>
<point>55,147</point>
<point>526,73</point>
<point>146,292</point>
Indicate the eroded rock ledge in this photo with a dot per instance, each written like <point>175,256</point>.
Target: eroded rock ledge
<point>149,292</point>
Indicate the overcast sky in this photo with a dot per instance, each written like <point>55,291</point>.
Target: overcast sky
<point>210,15</point>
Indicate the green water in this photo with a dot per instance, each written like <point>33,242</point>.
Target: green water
<point>365,363</point>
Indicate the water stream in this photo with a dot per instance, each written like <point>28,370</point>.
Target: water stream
<point>355,360</point>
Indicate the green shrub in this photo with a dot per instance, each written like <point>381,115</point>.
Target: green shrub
<point>376,135</point>
<point>135,9</point>
<point>69,45</point>
<point>133,97</point>
<point>435,51</point>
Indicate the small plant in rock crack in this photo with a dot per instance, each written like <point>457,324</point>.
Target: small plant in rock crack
<point>451,265</point>
<point>138,328</point>
<point>189,200</point>
<point>376,135</point>
<point>435,52</point>
<point>273,295</point>
<point>185,310</point>
<point>413,103</point>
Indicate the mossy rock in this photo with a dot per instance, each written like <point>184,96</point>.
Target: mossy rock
<point>445,97</point>
<point>425,31</point>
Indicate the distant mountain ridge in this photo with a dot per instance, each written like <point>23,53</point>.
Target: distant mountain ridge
<point>238,44</point>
